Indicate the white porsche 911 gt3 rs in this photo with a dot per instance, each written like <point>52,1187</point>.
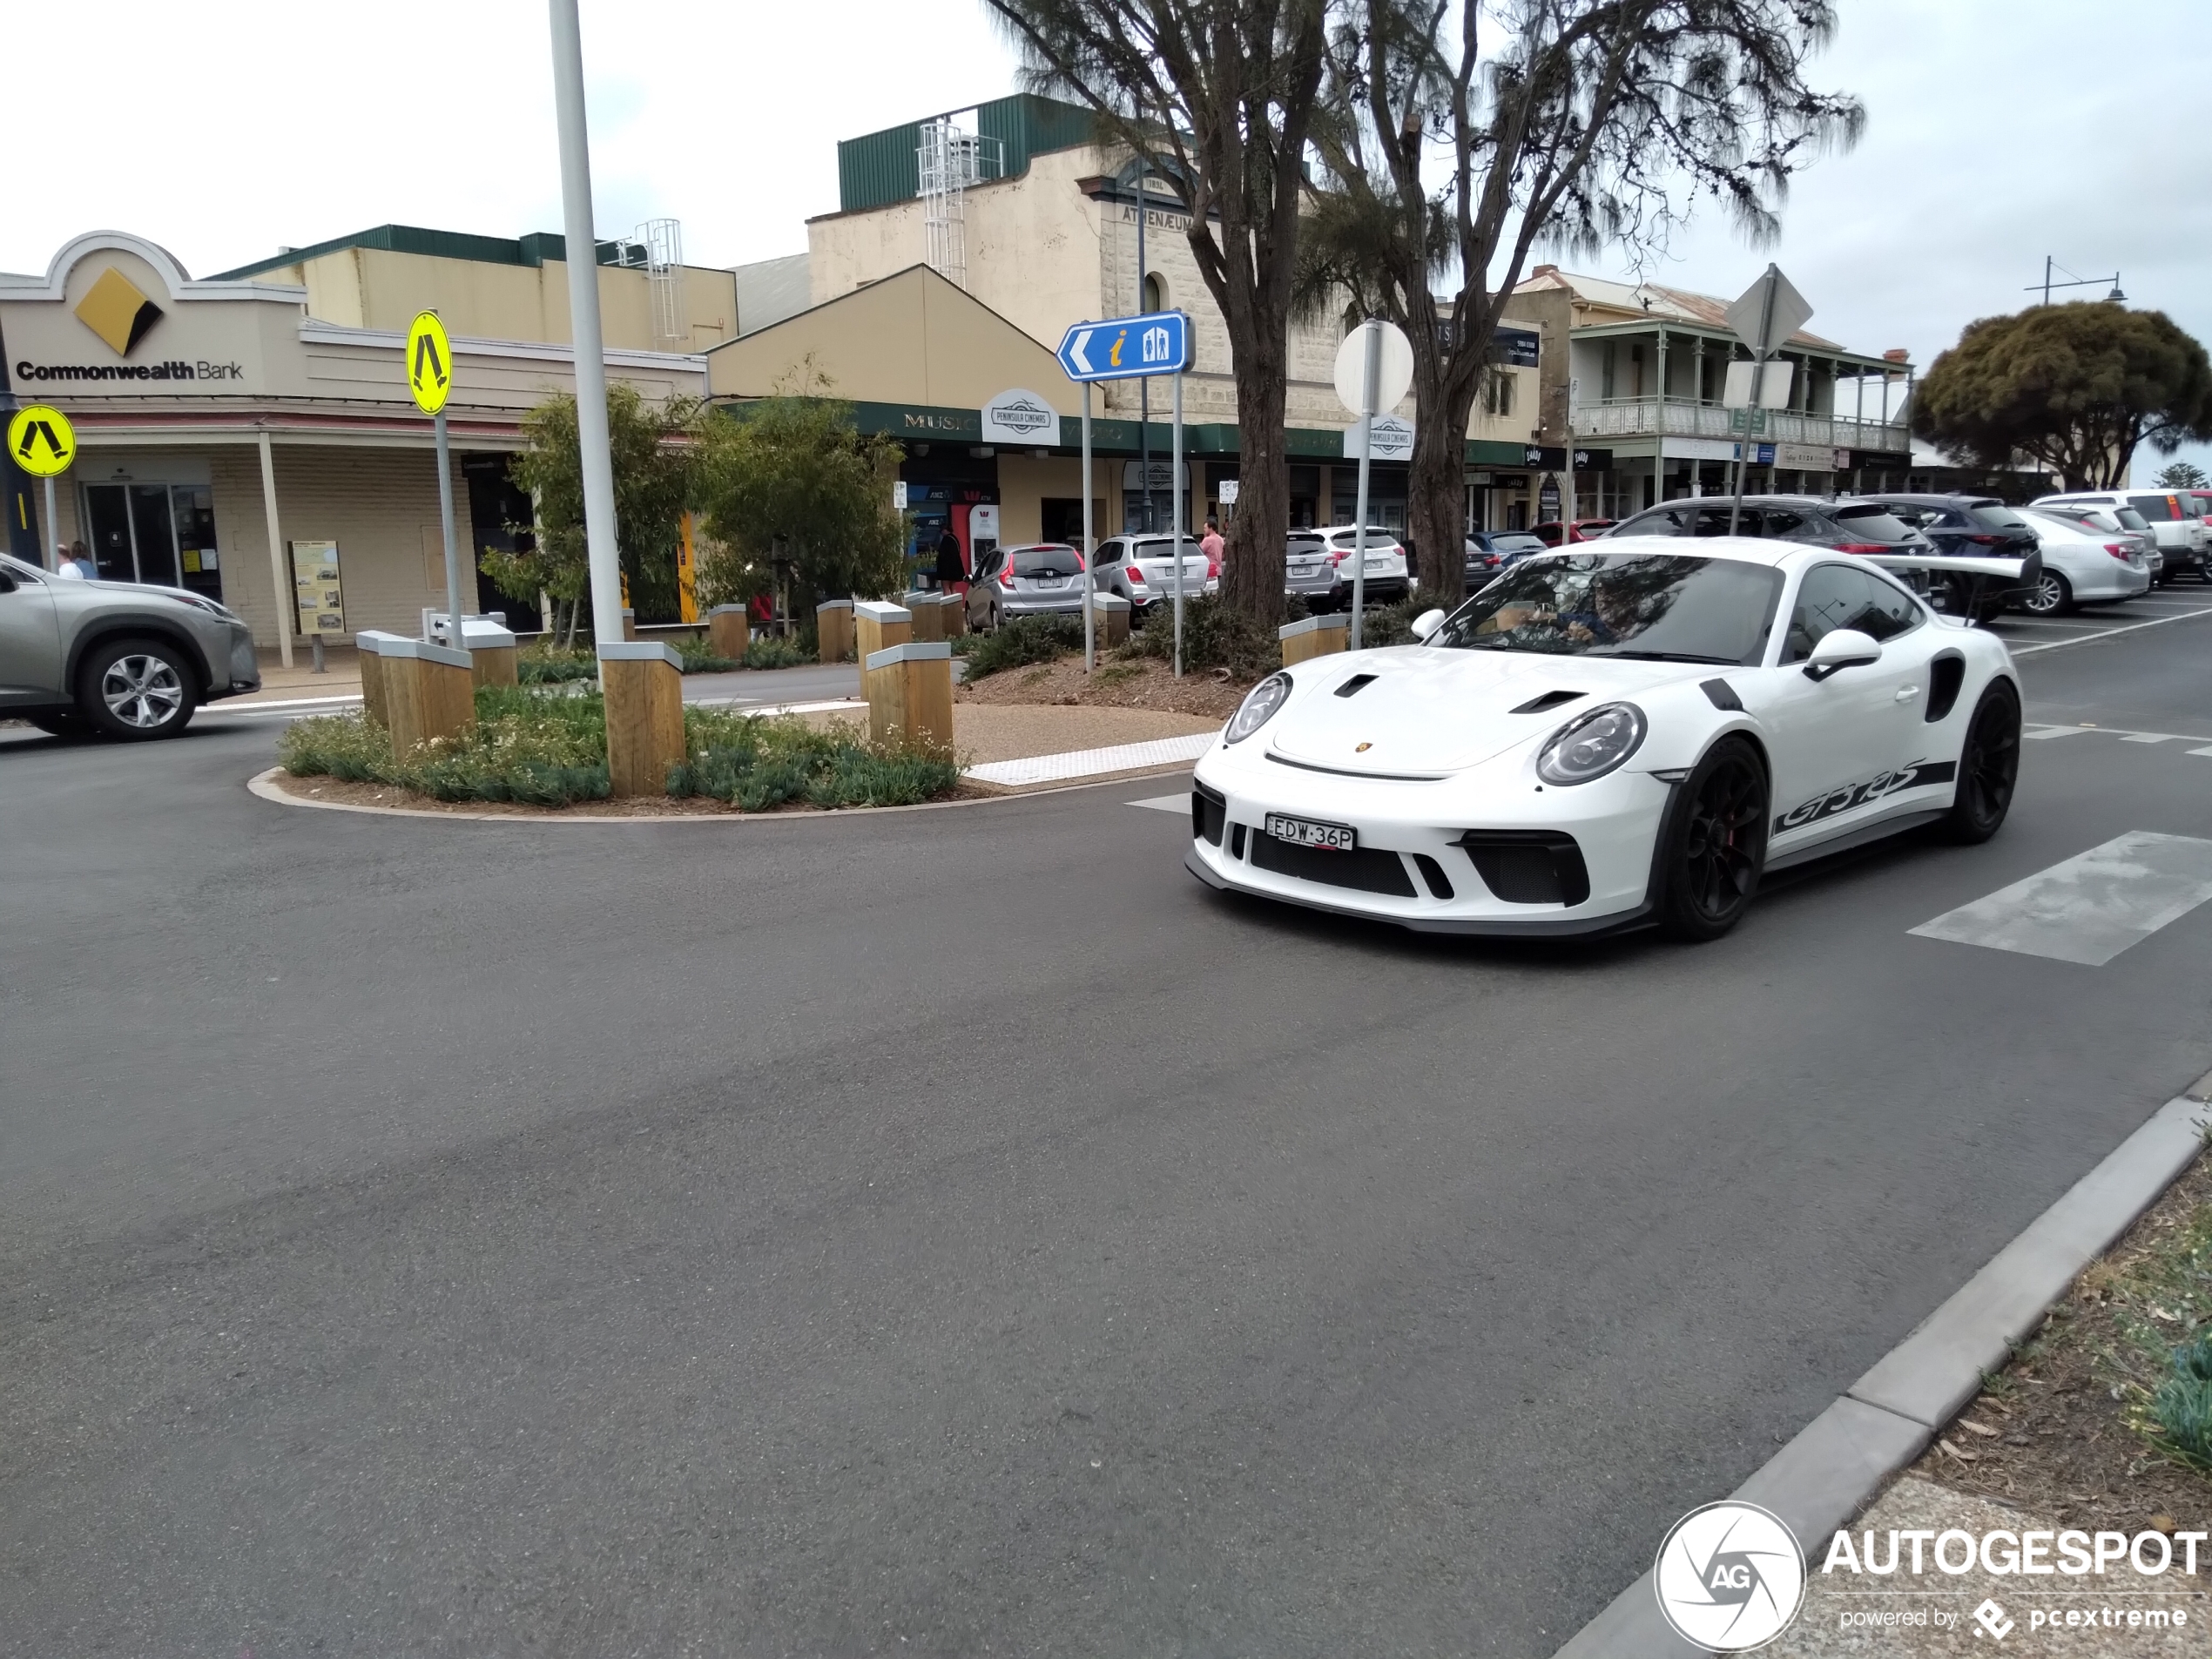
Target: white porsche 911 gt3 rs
<point>1611,737</point>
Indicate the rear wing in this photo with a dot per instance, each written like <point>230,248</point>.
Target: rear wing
<point>2007,569</point>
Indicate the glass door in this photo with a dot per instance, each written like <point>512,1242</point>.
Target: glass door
<point>107,511</point>
<point>154,532</point>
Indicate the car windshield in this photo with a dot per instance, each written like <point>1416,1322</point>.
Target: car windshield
<point>2129,519</point>
<point>1993,516</point>
<point>1046,561</point>
<point>1520,543</point>
<point>1656,607</point>
<point>1158,548</point>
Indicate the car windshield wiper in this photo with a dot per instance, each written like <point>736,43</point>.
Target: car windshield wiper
<point>1666,657</point>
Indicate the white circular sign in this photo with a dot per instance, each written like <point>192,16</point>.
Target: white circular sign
<point>1729,1577</point>
<point>1396,374</point>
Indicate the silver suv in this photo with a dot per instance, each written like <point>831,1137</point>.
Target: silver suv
<point>1142,569</point>
<point>120,659</point>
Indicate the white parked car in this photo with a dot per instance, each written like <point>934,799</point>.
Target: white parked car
<point>2183,543</point>
<point>1610,738</point>
<point>1317,566</point>
<point>2082,566</point>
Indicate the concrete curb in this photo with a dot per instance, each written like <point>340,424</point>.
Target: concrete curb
<point>263,784</point>
<point>1882,1421</point>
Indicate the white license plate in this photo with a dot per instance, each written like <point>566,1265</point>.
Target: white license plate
<point>1304,832</point>
<point>1048,581</point>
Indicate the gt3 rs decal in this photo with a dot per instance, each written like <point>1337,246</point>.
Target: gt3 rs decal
<point>1918,775</point>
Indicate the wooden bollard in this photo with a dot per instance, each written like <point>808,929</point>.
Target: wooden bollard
<point>428,692</point>
<point>645,682</point>
<point>878,625</point>
<point>1108,619</point>
<point>928,613</point>
<point>1314,636</point>
<point>910,693</point>
<point>492,656</point>
<point>833,630</point>
<point>369,645</point>
<point>729,630</point>
<point>955,613</point>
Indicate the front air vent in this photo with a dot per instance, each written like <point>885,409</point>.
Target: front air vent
<point>1547,702</point>
<point>1356,684</point>
<point>1433,873</point>
<point>1208,812</point>
<point>1945,676</point>
<point>1529,867</point>
<point>1370,869</point>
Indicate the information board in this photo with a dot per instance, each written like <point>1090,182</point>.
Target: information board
<point>316,586</point>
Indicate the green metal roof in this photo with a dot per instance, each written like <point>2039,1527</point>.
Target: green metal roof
<point>881,167</point>
<point>534,249</point>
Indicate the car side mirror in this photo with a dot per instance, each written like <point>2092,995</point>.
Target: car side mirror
<point>1841,648</point>
<point>1427,623</point>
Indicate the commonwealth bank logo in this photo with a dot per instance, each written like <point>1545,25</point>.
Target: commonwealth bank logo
<point>116,312</point>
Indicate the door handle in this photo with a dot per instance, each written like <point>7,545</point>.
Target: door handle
<point>1906,693</point>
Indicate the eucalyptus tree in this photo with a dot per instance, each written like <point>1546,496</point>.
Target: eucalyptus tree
<point>1455,138</point>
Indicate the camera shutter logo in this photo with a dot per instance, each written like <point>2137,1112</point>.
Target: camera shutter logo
<point>1729,1577</point>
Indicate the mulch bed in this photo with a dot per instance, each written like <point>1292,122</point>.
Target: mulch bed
<point>1134,683</point>
<point>2052,1431</point>
<point>365,794</point>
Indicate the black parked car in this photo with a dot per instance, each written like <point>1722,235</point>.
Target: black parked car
<point>1970,527</point>
<point>1849,526</point>
<point>1491,551</point>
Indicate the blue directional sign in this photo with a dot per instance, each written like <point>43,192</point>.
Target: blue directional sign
<point>1122,348</point>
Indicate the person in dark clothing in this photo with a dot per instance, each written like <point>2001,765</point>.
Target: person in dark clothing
<point>952,563</point>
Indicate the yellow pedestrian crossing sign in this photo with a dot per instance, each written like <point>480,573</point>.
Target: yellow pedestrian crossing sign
<point>429,363</point>
<point>42,441</point>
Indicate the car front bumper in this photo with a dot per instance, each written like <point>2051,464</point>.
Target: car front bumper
<point>1613,825</point>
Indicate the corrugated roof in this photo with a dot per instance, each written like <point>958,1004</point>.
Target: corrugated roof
<point>1650,300</point>
<point>770,290</point>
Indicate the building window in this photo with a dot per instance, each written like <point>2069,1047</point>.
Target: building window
<point>1497,393</point>
<point>1156,292</point>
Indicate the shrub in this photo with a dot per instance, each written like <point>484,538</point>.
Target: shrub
<point>756,763</point>
<point>540,664</point>
<point>544,749</point>
<point>700,658</point>
<point>1214,636</point>
<point>773,651</point>
<point>1025,640</point>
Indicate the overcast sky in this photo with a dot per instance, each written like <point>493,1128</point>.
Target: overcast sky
<point>1999,131</point>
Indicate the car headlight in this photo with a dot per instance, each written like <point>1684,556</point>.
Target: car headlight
<point>1592,744</point>
<point>1259,707</point>
<point>200,603</point>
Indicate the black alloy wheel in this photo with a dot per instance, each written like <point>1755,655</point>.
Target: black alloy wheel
<point>1716,845</point>
<point>1989,765</point>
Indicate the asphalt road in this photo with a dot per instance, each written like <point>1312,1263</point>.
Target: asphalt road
<point>957,1232</point>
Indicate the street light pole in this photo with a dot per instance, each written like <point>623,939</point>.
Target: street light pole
<point>2047,285</point>
<point>582,251</point>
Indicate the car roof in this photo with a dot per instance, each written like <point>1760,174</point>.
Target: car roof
<point>1748,549</point>
<point>1956,498</point>
<point>1722,501</point>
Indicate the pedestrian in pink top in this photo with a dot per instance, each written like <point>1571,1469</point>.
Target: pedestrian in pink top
<point>1210,545</point>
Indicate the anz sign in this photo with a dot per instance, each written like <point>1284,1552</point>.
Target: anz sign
<point>1156,342</point>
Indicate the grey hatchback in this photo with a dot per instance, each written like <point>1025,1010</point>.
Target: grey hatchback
<point>1042,579</point>
<point>120,659</point>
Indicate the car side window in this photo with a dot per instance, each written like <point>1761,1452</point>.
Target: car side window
<point>1835,596</point>
<point>1109,553</point>
<point>1713,521</point>
<point>1785,525</point>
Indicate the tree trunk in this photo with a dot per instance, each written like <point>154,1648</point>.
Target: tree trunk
<point>1251,572</point>
<point>1437,509</point>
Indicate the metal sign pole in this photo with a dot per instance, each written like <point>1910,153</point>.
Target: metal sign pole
<point>53,559</point>
<point>1090,547</point>
<point>1759,374</point>
<point>456,637</point>
<point>1368,390</point>
<point>1175,529</point>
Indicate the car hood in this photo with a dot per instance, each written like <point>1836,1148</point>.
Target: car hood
<point>1427,711</point>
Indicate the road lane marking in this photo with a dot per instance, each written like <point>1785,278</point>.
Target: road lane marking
<point>2207,751</point>
<point>2110,633</point>
<point>2089,907</point>
<point>2149,737</point>
<point>1091,763</point>
<point>1177,804</point>
<point>2049,731</point>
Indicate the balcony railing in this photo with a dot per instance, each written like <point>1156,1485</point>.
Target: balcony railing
<point>1640,417</point>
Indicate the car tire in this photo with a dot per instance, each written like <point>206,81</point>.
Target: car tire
<point>1714,844</point>
<point>2052,596</point>
<point>1989,762</point>
<point>136,690</point>
<point>993,619</point>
